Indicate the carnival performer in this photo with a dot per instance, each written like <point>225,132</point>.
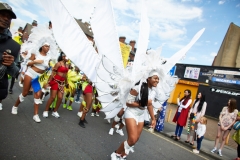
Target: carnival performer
<point>87,101</point>
<point>79,88</point>
<point>117,123</point>
<point>37,64</point>
<point>72,77</point>
<point>57,81</point>
<point>182,113</point>
<point>25,54</point>
<point>134,114</point>
<point>96,105</point>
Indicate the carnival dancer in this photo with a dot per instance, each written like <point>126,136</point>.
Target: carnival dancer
<point>117,123</point>
<point>72,77</point>
<point>96,105</point>
<point>134,114</point>
<point>37,64</point>
<point>57,81</point>
<point>87,101</point>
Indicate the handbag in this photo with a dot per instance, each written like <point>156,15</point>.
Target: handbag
<point>236,125</point>
<point>191,115</point>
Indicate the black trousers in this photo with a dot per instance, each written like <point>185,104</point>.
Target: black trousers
<point>13,79</point>
<point>4,87</point>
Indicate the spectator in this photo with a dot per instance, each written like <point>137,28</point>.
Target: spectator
<point>182,113</point>
<point>9,50</point>
<point>196,112</point>
<point>226,120</point>
<point>201,130</point>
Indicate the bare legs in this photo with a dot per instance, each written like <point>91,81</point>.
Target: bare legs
<point>134,131</point>
<point>26,87</point>
<point>53,95</point>
<point>84,108</point>
<point>224,136</point>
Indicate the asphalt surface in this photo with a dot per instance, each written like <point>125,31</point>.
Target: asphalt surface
<point>21,138</point>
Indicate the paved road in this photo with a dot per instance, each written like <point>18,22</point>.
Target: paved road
<point>22,138</point>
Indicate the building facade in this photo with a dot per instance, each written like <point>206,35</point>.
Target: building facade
<point>219,84</point>
<point>229,52</point>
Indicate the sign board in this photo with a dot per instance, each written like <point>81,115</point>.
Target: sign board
<point>188,82</point>
<point>214,79</point>
<point>224,91</point>
<point>226,72</point>
<point>192,73</point>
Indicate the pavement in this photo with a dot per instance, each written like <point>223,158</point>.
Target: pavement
<point>229,151</point>
<point>21,138</point>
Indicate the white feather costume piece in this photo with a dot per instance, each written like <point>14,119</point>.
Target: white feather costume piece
<point>40,35</point>
<point>115,83</point>
<point>71,39</point>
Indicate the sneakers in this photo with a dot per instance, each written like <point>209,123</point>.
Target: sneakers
<point>213,150</point>
<point>0,106</point>
<point>220,153</point>
<point>64,105</point>
<point>120,131</point>
<point>97,114</point>
<point>36,118</point>
<point>20,84</point>
<point>195,151</point>
<point>69,108</point>
<point>117,126</point>
<point>81,123</point>
<point>92,114</point>
<point>114,156</point>
<point>151,130</point>
<point>55,114</point>
<point>45,114</point>
<point>79,114</point>
<point>123,158</point>
<point>77,102</point>
<point>14,110</point>
<point>111,131</point>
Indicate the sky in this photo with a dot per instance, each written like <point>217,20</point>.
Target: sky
<point>173,23</point>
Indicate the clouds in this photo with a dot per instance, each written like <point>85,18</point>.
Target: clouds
<point>171,22</point>
<point>29,14</point>
<point>192,58</point>
<point>221,2</point>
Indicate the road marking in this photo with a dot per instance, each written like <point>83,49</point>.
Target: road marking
<point>174,143</point>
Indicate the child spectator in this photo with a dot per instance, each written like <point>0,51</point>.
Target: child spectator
<point>201,130</point>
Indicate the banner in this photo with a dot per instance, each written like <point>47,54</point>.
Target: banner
<point>125,50</point>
